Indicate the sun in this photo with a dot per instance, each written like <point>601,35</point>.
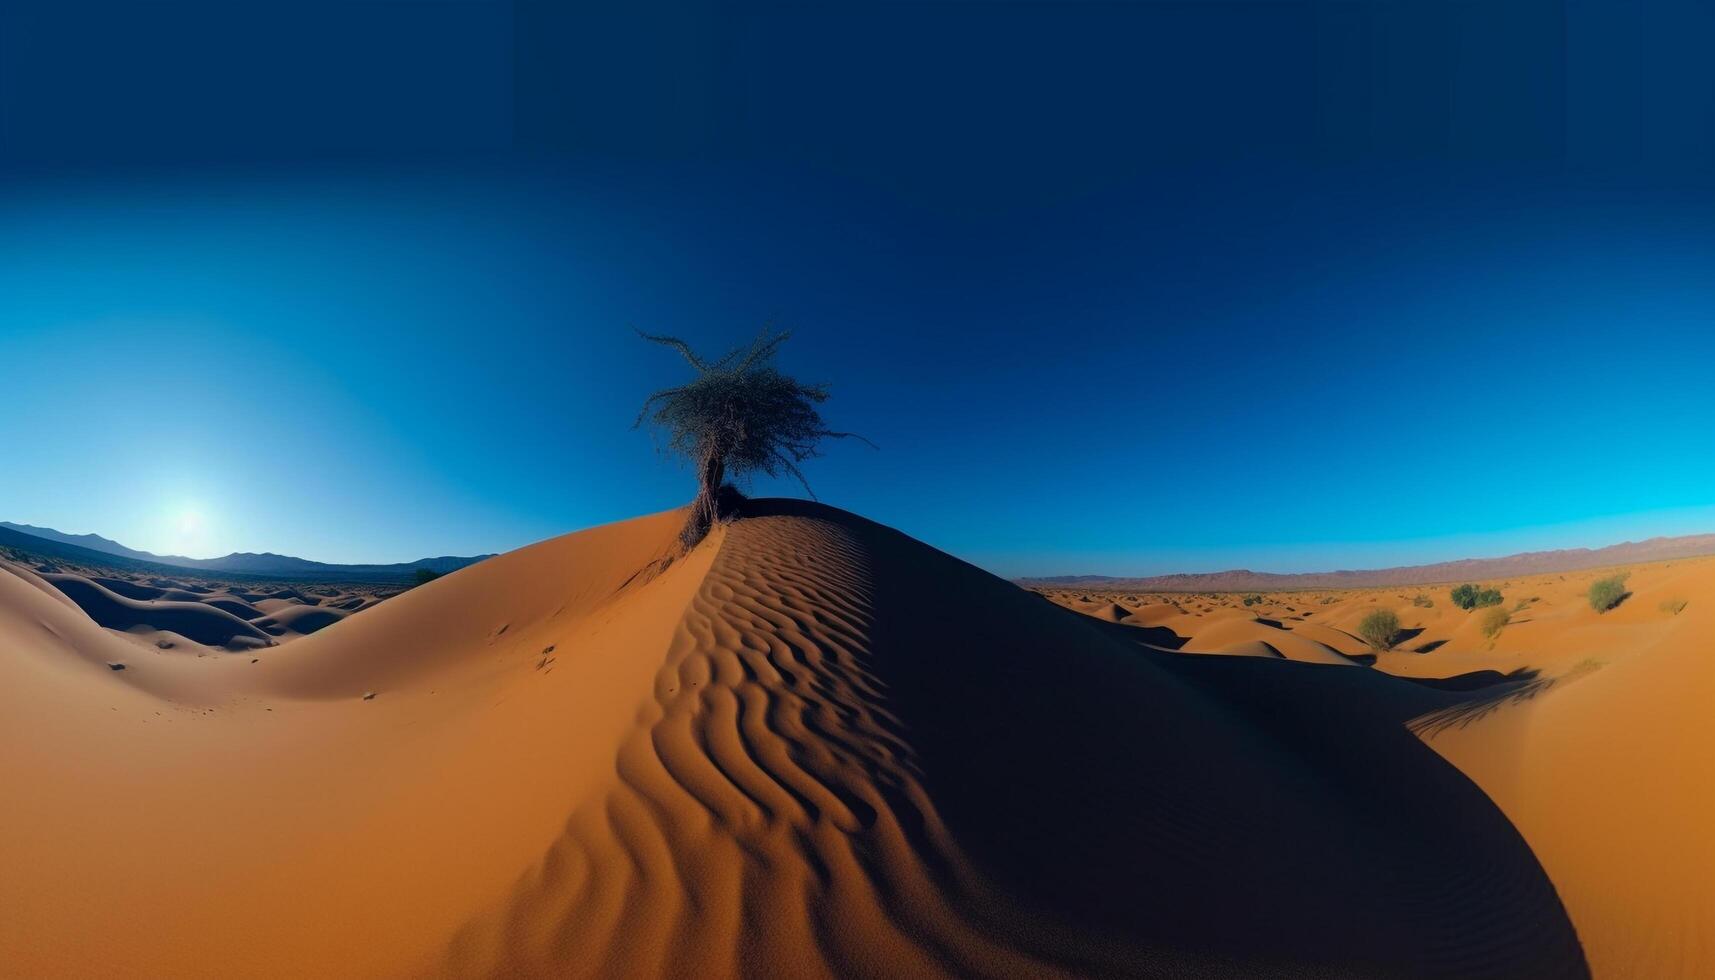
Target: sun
<point>189,522</point>
<point>187,528</point>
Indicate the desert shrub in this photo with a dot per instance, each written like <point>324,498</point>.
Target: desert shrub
<point>1251,600</point>
<point>1674,607</point>
<point>1495,619</point>
<point>424,575</point>
<point>1606,593</point>
<point>1379,628</point>
<point>739,415</point>
<point>1422,601</point>
<point>1468,596</point>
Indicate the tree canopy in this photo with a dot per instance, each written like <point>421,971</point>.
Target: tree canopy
<point>739,415</point>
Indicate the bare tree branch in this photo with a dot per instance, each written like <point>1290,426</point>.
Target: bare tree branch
<point>742,413</point>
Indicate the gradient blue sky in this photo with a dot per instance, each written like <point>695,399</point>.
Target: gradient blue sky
<point>1117,289</point>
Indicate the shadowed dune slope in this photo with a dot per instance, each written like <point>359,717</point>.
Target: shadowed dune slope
<point>836,778</point>
<point>777,756</point>
<point>198,621</point>
<point>1591,730</point>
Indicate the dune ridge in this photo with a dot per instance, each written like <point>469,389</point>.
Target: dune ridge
<point>778,775</point>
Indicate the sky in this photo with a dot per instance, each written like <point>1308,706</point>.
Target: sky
<point>1116,289</point>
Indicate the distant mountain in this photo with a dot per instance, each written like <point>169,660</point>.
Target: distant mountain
<point>21,545</point>
<point>244,563</point>
<point>94,542</point>
<point>1463,570</point>
<point>1074,579</point>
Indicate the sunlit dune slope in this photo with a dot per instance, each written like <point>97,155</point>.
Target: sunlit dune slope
<point>1594,732</point>
<point>1608,769</point>
<point>812,747</point>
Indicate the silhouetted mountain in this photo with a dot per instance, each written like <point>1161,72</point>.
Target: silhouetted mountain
<point>94,542</point>
<point>92,547</point>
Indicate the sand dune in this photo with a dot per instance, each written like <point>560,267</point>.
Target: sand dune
<point>299,618</point>
<point>778,755</point>
<point>202,623</point>
<point>1589,730</point>
<point>204,615</point>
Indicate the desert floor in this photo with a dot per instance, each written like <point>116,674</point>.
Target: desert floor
<point>816,747</point>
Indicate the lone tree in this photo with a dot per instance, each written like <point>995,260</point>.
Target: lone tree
<point>738,416</point>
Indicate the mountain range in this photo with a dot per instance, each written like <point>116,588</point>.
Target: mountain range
<point>1464,569</point>
<point>243,562</point>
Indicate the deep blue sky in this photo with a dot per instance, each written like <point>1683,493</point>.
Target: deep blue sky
<point>1117,288</point>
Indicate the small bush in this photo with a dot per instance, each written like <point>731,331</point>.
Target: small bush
<point>1674,607</point>
<point>1422,601</point>
<point>1251,600</point>
<point>1379,628</point>
<point>1495,619</point>
<point>1468,596</point>
<point>1606,593</point>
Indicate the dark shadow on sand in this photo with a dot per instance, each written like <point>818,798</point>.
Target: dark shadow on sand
<point>1215,815</point>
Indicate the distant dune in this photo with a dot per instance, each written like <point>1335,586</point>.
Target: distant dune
<point>1464,570</point>
<point>245,563</point>
<point>816,747</point>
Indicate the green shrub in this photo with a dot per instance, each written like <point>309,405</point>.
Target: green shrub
<point>1495,619</point>
<point>1606,593</point>
<point>1251,600</point>
<point>1379,628</point>
<point>1468,596</point>
<point>1422,601</point>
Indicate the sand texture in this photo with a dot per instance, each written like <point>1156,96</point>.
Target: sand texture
<point>816,747</point>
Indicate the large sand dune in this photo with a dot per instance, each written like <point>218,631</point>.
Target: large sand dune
<point>812,747</point>
<point>1593,732</point>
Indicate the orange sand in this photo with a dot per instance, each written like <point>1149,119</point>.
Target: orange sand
<point>1600,750</point>
<point>815,747</point>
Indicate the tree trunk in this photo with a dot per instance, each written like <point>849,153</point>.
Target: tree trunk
<point>710,473</point>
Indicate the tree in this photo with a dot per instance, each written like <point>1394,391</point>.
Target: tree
<point>738,416</point>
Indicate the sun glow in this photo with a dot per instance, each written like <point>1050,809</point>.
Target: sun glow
<point>188,523</point>
<point>186,528</point>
